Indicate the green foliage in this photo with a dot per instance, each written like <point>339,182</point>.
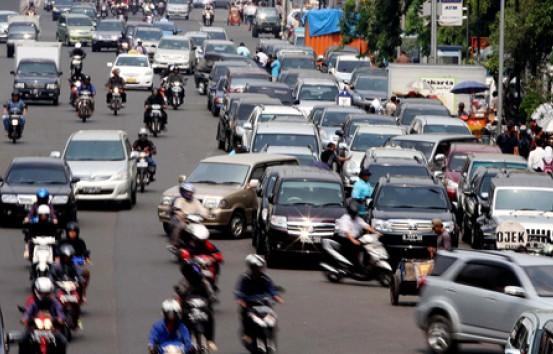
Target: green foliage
<point>532,99</point>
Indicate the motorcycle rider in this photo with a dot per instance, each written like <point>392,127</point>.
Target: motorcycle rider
<point>43,300</point>
<point>174,76</point>
<point>156,98</point>
<point>65,268</point>
<point>43,224</point>
<point>73,239</point>
<point>17,104</point>
<point>146,145</point>
<point>140,48</point>
<point>116,81</point>
<point>208,9</point>
<point>87,85</point>
<point>251,286</point>
<point>77,51</point>
<point>243,50</point>
<point>42,197</point>
<point>169,329</point>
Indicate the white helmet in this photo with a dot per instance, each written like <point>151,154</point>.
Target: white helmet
<point>255,261</point>
<point>43,287</point>
<point>78,45</point>
<point>171,309</point>
<point>43,210</point>
<point>143,132</point>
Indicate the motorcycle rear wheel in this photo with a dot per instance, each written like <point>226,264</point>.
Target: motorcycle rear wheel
<point>333,277</point>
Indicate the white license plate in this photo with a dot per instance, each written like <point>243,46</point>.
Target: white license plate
<point>68,298</point>
<point>315,239</point>
<point>142,164</point>
<point>15,122</point>
<point>412,237</point>
<point>91,189</point>
<point>35,92</point>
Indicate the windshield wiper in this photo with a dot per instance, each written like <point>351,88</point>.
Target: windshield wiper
<point>26,181</point>
<point>301,203</point>
<point>206,181</point>
<point>399,206</point>
<point>229,182</point>
<point>53,182</point>
<point>331,204</point>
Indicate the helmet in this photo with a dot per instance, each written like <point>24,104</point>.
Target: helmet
<point>186,188</point>
<point>43,209</point>
<point>171,309</point>
<point>139,41</point>
<point>115,71</point>
<point>72,226</point>
<point>43,287</point>
<point>78,45</point>
<point>353,208</point>
<point>15,95</point>
<point>143,132</point>
<point>42,196</point>
<point>320,57</point>
<point>67,251</point>
<point>87,79</point>
<point>255,261</point>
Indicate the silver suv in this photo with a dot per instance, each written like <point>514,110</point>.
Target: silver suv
<point>477,296</point>
<point>532,334</point>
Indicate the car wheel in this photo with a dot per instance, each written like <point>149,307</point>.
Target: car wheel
<point>56,101</point>
<point>439,336</point>
<point>237,225</point>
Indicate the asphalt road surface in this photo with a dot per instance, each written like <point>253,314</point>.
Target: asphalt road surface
<point>132,272</point>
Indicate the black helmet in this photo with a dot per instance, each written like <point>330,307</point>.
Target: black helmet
<point>15,94</point>
<point>67,251</point>
<point>353,208</point>
<point>72,226</point>
<point>364,173</point>
<point>87,79</point>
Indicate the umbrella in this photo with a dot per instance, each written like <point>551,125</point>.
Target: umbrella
<point>469,87</point>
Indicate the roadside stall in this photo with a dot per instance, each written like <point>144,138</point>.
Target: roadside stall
<point>409,278</point>
<point>478,115</point>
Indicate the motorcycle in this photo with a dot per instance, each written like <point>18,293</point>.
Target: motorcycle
<point>374,261</point>
<point>196,309</point>
<point>42,339</point>
<point>76,64</point>
<point>43,256</point>
<point>264,326</point>
<point>171,348</point>
<point>208,17</point>
<point>14,127</point>
<point>155,119</point>
<point>177,94</point>
<point>74,89</point>
<point>68,296</point>
<point>116,103</point>
<point>142,171</point>
<point>123,47</point>
<point>84,105</point>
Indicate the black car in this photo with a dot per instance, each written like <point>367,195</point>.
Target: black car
<point>219,70</point>
<point>108,34</point>
<point>266,20</point>
<point>205,65</point>
<point>402,209</point>
<point>25,176</point>
<point>300,206</point>
<point>272,89</point>
<point>357,119</point>
<point>37,79</point>
<point>61,6</point>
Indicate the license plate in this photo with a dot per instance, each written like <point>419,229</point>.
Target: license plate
<point>142,164</point>
<point>35,92</point>
<point>316,239</point>
<point>15,122</point>
<point>68,298</point>
<point>91,189</point>
<point>132,80</point>
<point>412,237</point>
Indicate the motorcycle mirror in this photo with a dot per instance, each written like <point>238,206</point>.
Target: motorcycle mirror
<point>181,178</point>
<point>134,155</point>
<point>14,337</point>
<point>55,154</point>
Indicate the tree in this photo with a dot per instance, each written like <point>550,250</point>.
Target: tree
<point>388,30</point>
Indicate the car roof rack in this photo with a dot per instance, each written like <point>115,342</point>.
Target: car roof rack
<point>498,253</point>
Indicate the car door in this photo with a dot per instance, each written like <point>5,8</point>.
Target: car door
<point>62,28</point>
<point>248,130</point>
<point>131,165</point>
<point>250,198</point>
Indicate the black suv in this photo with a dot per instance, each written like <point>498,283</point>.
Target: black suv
<point>266,20</point>
<point>28,174</point>
<point>394,167</point>
<point>402,209</point>
<point>299,207</point>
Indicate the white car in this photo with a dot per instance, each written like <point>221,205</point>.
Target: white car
<point>310,92</point>
<point>135,69</point>
<point>269,113</point>
<point>174,50</point>
<point>345,64</point>
<point>178,8</point>
<point>4,24</point>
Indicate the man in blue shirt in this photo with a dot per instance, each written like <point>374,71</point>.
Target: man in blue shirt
<point>15,105</point>
<point>170,330</point>
<point>275,68</point>
<point>362,190</point>
<point>243,50</point>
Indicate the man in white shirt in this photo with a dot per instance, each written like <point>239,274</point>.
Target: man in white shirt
<point>262,58</point>
<point>535,158</point>
<point>249,13</point>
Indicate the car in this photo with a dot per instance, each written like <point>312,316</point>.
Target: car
<point>219,46</point>
<point>435,147</point>
<point>4,14</point>
<point>402,209</point>
<point>150,37</point>
<point>380,165</point>
<point>364,138</point>
<point>393,152</point>
<point>304,154</point>
<point>296,61</point>
<point>200,3</point>
<point>518,201</point>
<point>270,113</point>
<point>108,34</point>
<point>290,77</point>
<point>438,125</point>
<point>532,333</point>
<point>130,29</point>
<point>478,296</point>
<point>60,7</point>
<point>174,51</point>
<point>26,175</point>
<point>135,69</point>
<point>345,64</point>
<point>103,162</point>
<point>266,20</point>
<point>226,186</point>
<point>168,28</point>
<point>301,210</point>
<point>407,111</point>
<point>364,88</point>
<point>294,50</point>
<point>221,4</point>
<point>20,30</point>
<point>75,28</point>
<point>331,120</point>
<point>196,38</point>
<point>89,11</point>
<point>309,92</point>
<point>284,134</point>
<point>355,120</point>
<point>273,89</point>
<point>215,87</point>
<point>205,62</point>
<point>333,52</point>
<point>231,100</point>
<point>215,33</point>
<point>37,79</point>
<point>178,9</point>
<point>237,77</point>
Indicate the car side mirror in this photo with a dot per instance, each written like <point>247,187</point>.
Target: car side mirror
<point>109,65</point>
<point>253,183</point>
<point>12,72</point>
<point>339,133</point>
<point>55,154</point>
<point>181,179</point>
<point>516,291</point>
<point>369,202</point>
<point>248,126</point>
<point>75,180</point>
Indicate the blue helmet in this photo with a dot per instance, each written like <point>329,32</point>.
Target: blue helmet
<point>42,196</point>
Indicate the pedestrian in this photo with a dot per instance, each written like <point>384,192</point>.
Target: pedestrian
<point>330,157</point>
<point>548,160</point>
<point>535,158</point>
<point>524,142</point>
<point>261,58</point>
<point>508,140</point>
<point>403,58</point>
<point>536,132</point>
<point>391,106</point>
<point>275,67</point>
<point>461,113</point>
<point>362,190</point>
<point>444,238</point>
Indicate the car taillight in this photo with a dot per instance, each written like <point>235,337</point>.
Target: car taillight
<point>422,282</point>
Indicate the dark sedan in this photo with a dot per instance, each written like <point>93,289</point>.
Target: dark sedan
<point>25,176</point>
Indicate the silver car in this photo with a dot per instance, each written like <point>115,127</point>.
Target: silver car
<point>103,162</point>
<point>174,50</point>
<point>4,24</point>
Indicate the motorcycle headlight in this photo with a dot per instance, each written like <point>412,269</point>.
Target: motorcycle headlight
<point>279,221</point>
<point>120,176</point>
<point>60,199</point>
<point>166,200</point>
<point>52,86</point>
<point>449,226</point>
<point>382,225</point>
<point>9,198</point>
<point>19,85</point>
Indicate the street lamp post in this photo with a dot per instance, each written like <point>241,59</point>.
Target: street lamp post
<point>434,32</point>
<point>499,116</point>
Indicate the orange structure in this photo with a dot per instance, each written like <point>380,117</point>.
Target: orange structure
<point>321,43</point>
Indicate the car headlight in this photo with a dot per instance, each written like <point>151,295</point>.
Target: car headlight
<point>382,225</point>
<point>19,85</point>
<point>52,86</point>
<point>60,199</point>
<point>211,203</point>
<point>449,226</point>
<point>166,200</point>
<point>279,221</point>
<point>352,168</point>
<point>120,176</point>
<point>9,198</point>
<point>55,9</point>
<point>114,37</point>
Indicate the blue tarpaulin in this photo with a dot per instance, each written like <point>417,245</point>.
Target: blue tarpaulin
<point>321,22</point>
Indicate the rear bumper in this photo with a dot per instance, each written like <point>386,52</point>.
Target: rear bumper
<point>38,94</point>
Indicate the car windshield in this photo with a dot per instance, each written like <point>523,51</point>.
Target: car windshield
<point>217,35</point>
<point>109,26</point>
<point>220,48</point>
<point>378,171</point>
<point>165,26</point>
<point>279,117</point>
<point>173,44</point>
<point>36,174</point>
<point>448,129</point>
<point>197,41</point>
<point>456,162</point>
<point>290,79</point>
<point>132,61</point>
<point>297,63</point>
<point>245,110</point>
<point>64,2</point>
<point>364,141</point>
<point>240,82</point>
<point>425,147</point>
<point>86,22</point>
<point>410,197</point>
<point>84,11</point>
<point>486,184</point>
<point>284,95</point>
<point>148,35</point>
<point>523,199</point>
<point>497,164</point>
<point>371,83</point>
<point>267,14</point>
<point>334,118</point>
<point>541,277</point>
<point>318,93</point>
<point>178,2</point>
<point>219,173</point>
<point>434,110</point>
<point>22,28</point>
<point>347,66</point>
<point>95,150</point>
<point>304,160</point>
<point>312,193</point>
<point>261,141</point>
<point>37,68</point>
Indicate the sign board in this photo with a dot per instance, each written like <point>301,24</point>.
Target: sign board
<point>344,98</point>
<point>510,235</point>
<point>450,13</point>
<point>441,87</point>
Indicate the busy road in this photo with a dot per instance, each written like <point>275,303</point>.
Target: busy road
<point>132,272</point>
